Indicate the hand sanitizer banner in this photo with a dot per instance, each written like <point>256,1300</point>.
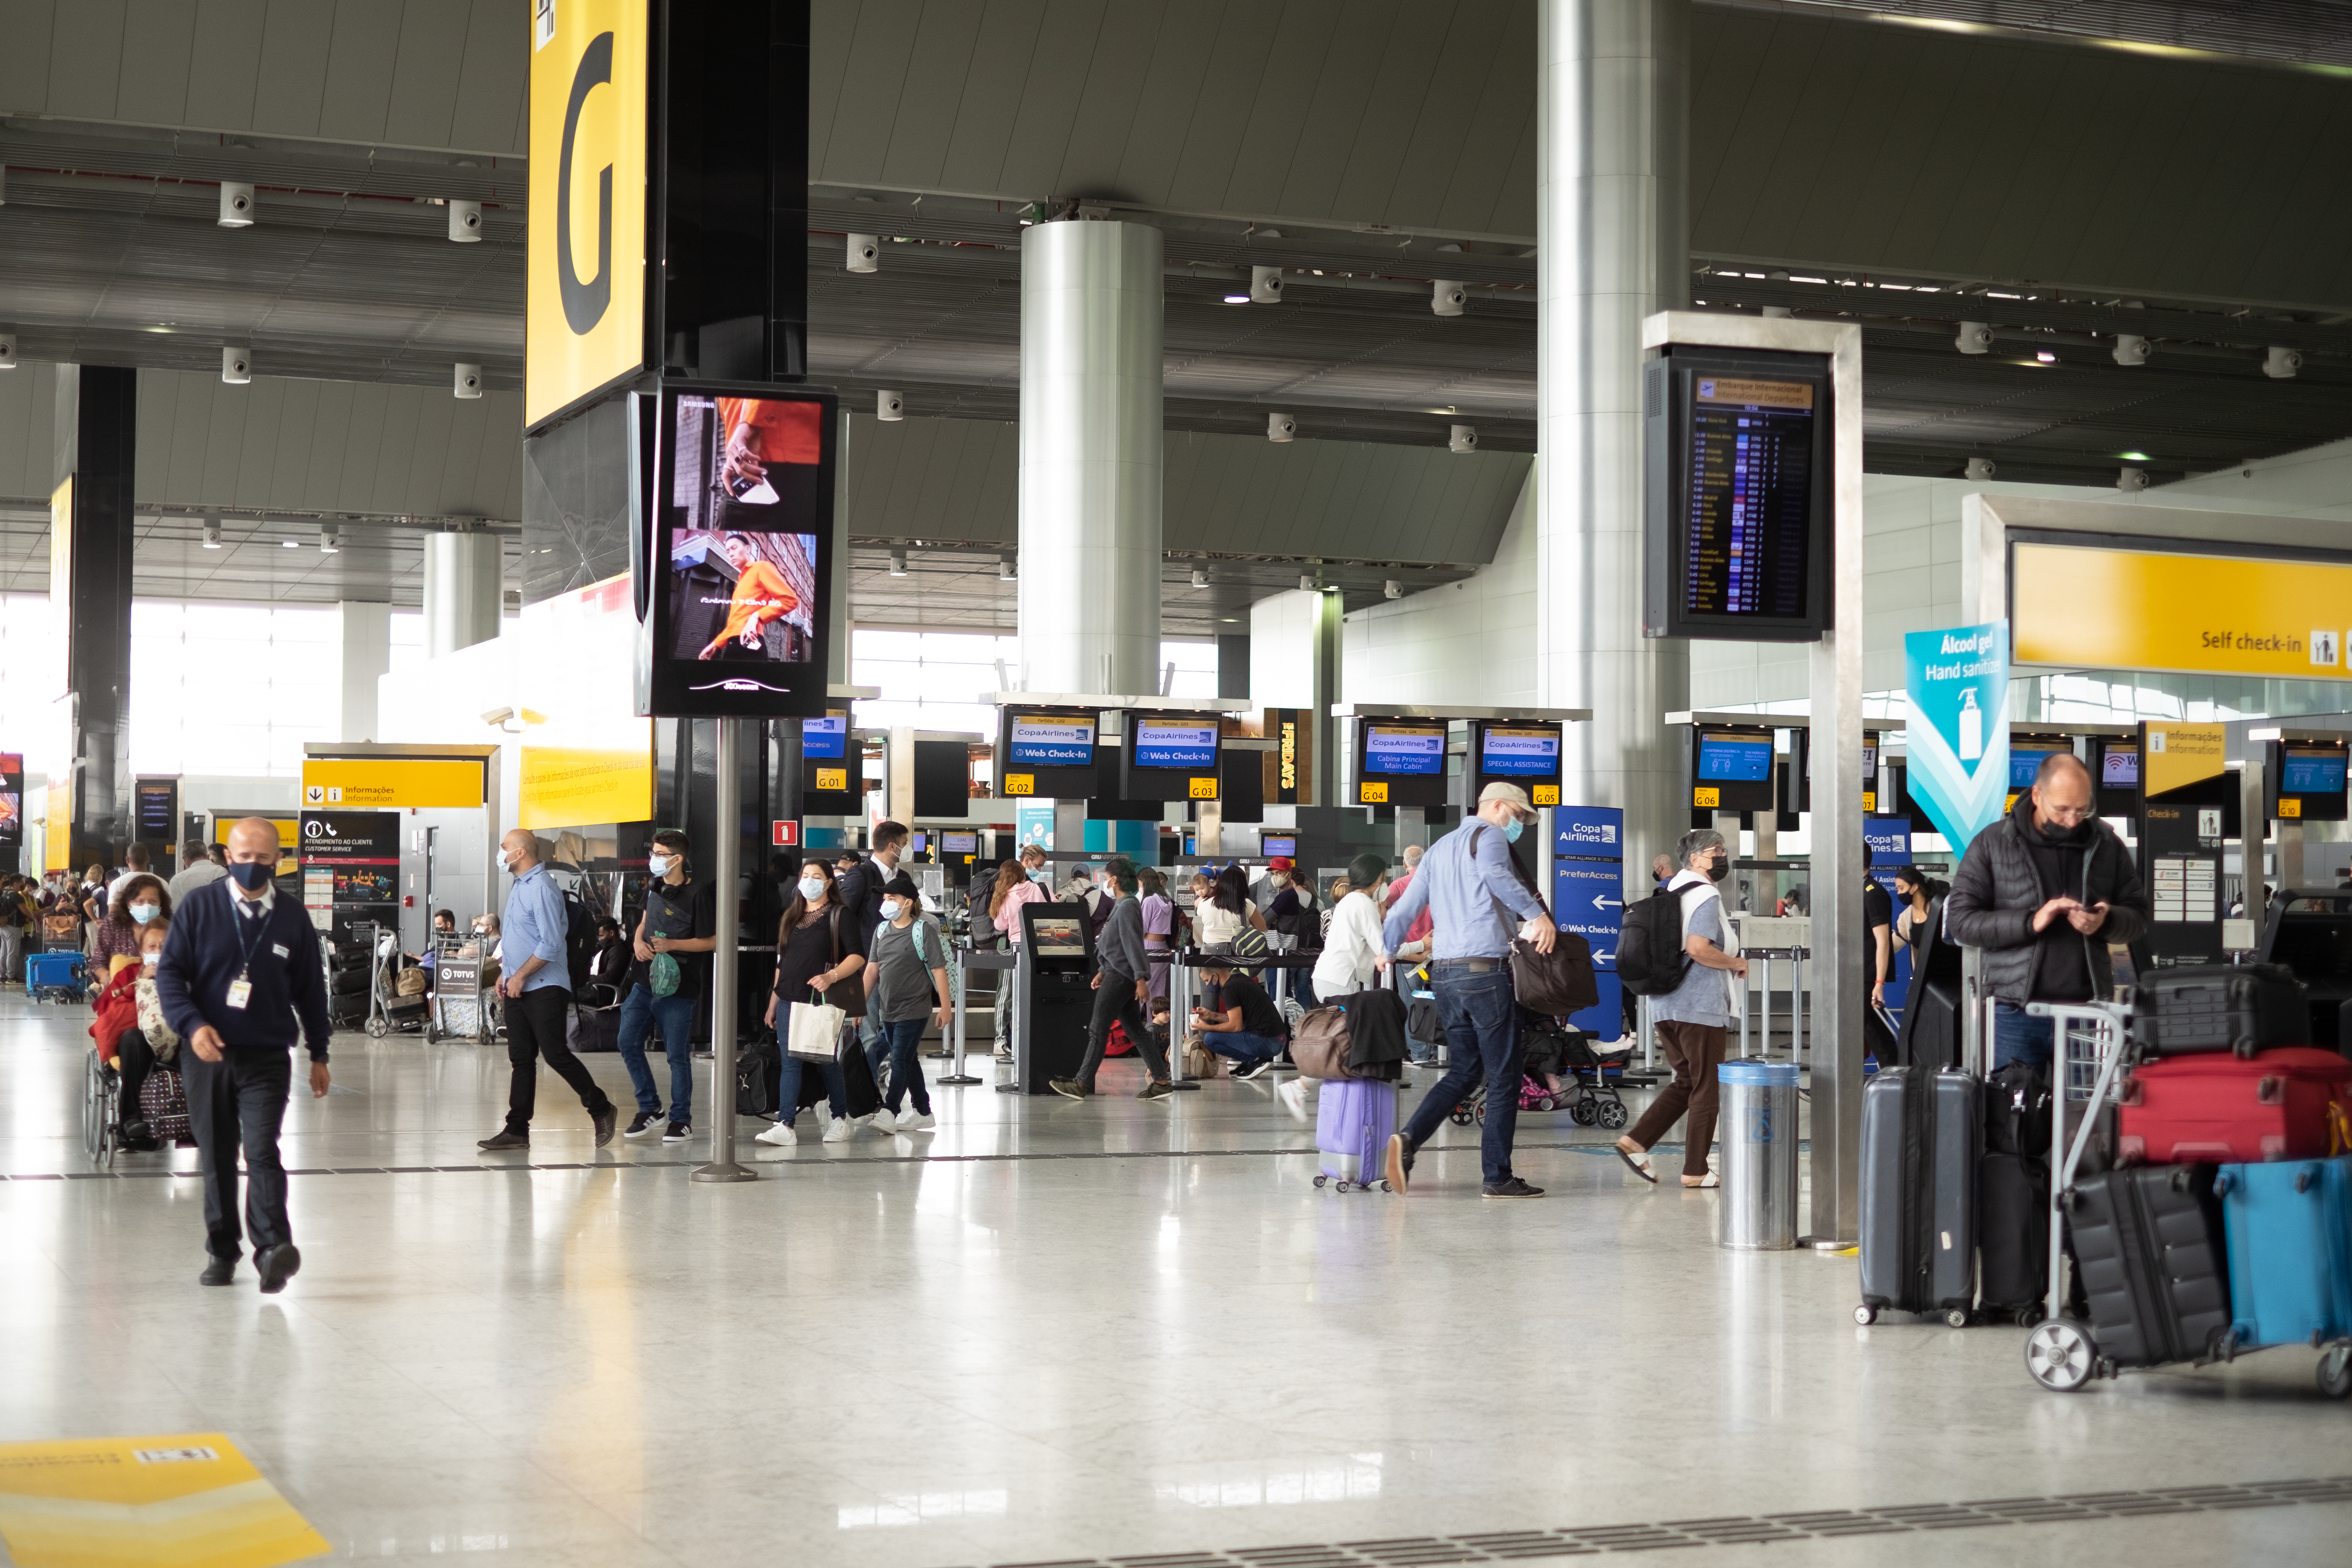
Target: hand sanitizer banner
<point>1958,738</point>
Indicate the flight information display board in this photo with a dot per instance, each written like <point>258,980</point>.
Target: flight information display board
<point>1737,538</point>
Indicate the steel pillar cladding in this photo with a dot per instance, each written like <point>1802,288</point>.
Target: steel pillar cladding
<point>464,590</point>
<point>1092,320</point>
<point>1613,248</point>
<point>96,449</point>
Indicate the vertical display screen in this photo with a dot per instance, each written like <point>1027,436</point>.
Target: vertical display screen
<point>1504,752</point>
<point>1747,530</point>
<point>828,738</point>
<point>1404,749</point>
<point>1734,759</point>
<point>1174,743</point>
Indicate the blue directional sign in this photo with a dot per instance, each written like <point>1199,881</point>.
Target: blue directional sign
<point>1588,894</point>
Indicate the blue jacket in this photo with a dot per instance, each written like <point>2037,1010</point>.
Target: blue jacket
<point>202,955</point>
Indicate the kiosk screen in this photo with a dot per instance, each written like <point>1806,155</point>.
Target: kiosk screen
<point>1057,936</point>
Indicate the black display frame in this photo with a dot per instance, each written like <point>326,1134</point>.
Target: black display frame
<point>2114,800</point>
<point>674,688</point>
<point>1137,781</point>
<point>2330,807</point>
<point>1423,790</point>
<point>1731,795</point>
<point>1077,781</point>
<point>1667,407</point>
<point>1543,789</point>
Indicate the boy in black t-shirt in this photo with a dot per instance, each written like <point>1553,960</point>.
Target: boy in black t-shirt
<point>1241,1021</point>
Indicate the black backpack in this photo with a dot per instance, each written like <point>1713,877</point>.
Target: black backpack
<point>1651,960</point>
<point>579,940</point>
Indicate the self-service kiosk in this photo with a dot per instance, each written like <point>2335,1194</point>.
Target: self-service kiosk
<point>1051,1003</point>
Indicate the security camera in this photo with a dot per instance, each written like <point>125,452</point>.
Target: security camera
<point>236,367</point>
<point>1280,427</point>
<point>236,205</point>
<point>1392,589</point>
<point>1199,576</point>
<point>498,716</point>
<point>465,222</point>
<point>2131,481</point>
<point>865,253</point>
<point>212,536</point>
<point>8,350</point>
<point>890,406</point>
<point>2280,363</point>
<point>1445,298</point>
<point>469,381</point>
<point>1975,338</point>
<point>1980,468</point>
<point>1266,285</point>
<point>330,542</point>
<point>2130,348</point>
<point>1461,438</point>
<point>1776,312</point>
<point>1307,581</point>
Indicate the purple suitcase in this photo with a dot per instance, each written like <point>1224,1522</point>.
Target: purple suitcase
<point>1353,1119</point>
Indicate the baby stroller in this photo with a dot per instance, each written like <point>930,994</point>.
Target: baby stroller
<point>1551,1047</point>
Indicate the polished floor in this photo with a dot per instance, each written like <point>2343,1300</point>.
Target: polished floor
<point>971,1347</point>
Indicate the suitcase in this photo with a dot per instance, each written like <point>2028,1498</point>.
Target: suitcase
<point>2241,1008</point>
<point>1353,1120</point>
<point>163,1106</point>
<point>2147,1248</point>
<point>759,1076</point>
<point>600,1030</point>
<point>2272,1106</point>
<point>2012,1234</point>
<point>2288,1226</point>
<point>1920,1134</point>
<point>53,972</point>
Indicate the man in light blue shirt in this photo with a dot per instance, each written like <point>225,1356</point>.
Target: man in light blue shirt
<point>537,985</point>
<point>1475,892</point>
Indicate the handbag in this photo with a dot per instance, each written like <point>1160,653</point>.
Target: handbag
<point>662,975</point>
<point>1558,983</point>
<point>1201,1062</point>
<point>813,1033</point>
<point>1320,1044</point>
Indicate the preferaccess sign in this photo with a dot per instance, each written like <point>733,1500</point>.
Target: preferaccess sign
<point>584,316</point>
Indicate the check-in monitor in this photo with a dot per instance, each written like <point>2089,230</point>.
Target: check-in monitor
<point>1525,754</point>
<point>2309,781</point>
<point>1400,762</point>
<point>1047,754</point>
<point>1170,756</point>
<point>1730,769</point>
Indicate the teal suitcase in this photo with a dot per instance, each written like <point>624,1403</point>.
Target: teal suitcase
<point>2288,1225</point>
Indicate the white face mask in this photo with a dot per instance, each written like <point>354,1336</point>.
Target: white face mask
<point>813,888</point>
<point>661,865</point>
<point>892,908</point>
<point>149,957</point>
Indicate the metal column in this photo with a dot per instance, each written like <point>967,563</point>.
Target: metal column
<point>725,960</point>
<point>464,590</point>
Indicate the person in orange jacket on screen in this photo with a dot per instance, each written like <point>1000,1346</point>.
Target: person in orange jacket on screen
<point>762,595</point>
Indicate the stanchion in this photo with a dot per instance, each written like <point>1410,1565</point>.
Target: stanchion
<point>1179,995</point>
<point>956,1027</point>
<point>725,962</point>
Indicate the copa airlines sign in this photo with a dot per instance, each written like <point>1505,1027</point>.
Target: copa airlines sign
<point>585,317</point>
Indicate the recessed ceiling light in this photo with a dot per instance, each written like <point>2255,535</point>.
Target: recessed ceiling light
<point>1236,298</point>
<point>2133,457</point>
<point>2045,356</point>
<point>291,543</point>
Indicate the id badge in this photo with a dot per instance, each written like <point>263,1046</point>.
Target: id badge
<point>240,991</point>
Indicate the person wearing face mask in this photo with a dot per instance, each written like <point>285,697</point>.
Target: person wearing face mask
<point>818,947</point>
<point>535,983</point>
<point>682,920</point>
<point>906,988</point>
<point>1464,880</point>
<point>1033,865</point>
<point>148,1046</point>
<point>196,869</point>
<point>1693,1018</point>
<point>138,900</point>
<point>1013,890</point>
<point>239,980</point>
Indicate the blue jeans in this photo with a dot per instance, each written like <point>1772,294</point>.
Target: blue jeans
<point>1241,1045</point>
<point>640,1010</point>
<point>788,1091</point>
<point>1482,1040</point>
<point>900,1039</point>
<point>2018,1037</point>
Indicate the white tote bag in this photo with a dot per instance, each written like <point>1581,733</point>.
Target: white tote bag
<point>814,1034</point>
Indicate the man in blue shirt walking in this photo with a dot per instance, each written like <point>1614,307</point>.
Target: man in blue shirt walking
<point>537,985</point>
<point>1471,885</point>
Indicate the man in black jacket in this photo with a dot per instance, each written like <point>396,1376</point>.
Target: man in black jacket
<point>1122,982</point>
<point>2043,893</point>
<point>238,979</point>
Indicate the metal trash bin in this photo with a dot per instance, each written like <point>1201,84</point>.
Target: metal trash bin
<point>1758,1149</point>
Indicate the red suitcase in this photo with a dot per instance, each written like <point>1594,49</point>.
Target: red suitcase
<point>2229,1110</point>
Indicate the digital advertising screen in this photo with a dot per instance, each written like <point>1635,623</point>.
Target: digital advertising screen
<point>738,544</point>
<point>1506,751</point>
<point>1057,936</point>
<point>1052,741</point>
<point>825,737</point>
<point>1186,743</point>
<point>1734,758</point>
<point>2119,767</point>
<point>2312,770</point>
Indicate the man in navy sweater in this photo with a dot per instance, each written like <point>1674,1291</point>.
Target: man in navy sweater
<point>239,973</point>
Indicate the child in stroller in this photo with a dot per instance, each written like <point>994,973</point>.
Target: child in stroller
<point>1565,1072</point>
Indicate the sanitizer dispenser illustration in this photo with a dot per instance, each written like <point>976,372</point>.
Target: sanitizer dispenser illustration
<point>1971,727</point>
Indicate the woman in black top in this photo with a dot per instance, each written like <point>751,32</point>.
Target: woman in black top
<point>818,945</point>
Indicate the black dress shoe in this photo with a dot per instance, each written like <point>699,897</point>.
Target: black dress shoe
<point>505,1141</point>
<point>136,1131</point>
<point>278,1266</point>
<point>605,1121</point>
<point>218,1271</point>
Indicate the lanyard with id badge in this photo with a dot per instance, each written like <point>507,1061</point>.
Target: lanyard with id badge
<point>240,990</point>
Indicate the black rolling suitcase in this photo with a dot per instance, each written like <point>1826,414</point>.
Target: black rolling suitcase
<point>2149,1250</point>
<point>759,1076</point>
<point>2013,1194</point>
<point>2237,1007</point>
<point>1920,1133</point>
<point>600,1030</point>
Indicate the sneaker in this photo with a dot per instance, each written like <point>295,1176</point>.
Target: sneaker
<point>1396,1164</point>
<point>1070,1088</point>
<point>503,1140</point>
<point>678,1133</point>
<point>1293,1096</point>
<point>913,1120</point>
<point>1255,1069</point>
<point>1158,1091</point>
<point>824,1118</point>
<point>840,1130</point>
<point>781,1133</point>
<point>644,1124</point>
<point>1511,1187</point>
<point>882,1124</point>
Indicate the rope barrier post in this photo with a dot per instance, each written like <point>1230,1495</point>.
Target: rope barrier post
<point>956,972</point>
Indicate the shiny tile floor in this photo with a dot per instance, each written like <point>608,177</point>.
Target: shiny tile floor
<point>902,1362</point>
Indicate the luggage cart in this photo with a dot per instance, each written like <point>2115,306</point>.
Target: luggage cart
<point>387,1009</point>
<point>457,1008</point>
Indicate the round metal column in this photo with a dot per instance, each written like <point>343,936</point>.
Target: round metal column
<point>1092,316</point>
<point>1613,248</point>
<point>464,590</point>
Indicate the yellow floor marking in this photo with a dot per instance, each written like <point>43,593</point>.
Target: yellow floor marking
<point>183,1500</point>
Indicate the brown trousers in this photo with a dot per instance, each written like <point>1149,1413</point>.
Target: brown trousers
<point>1694,1051</point>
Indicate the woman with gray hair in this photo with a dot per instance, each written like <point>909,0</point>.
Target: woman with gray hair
<point>1691,1018</point>
<point>1353,952</point>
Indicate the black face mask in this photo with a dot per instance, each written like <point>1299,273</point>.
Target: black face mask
<point>1718,868</point>
<point>252,874</point>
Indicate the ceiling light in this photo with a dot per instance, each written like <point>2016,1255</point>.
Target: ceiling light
<point>291,543</point>
<point>2133,457</point>
<point>1997,294</point>
<point>466,223</point>
<point>2045,356</point>
<point>1237,300</point>
<point>1800,277</point>
<point>212,536</point>
<point>236,205</point>
<point>1199,576</point>
<point>898,563</point>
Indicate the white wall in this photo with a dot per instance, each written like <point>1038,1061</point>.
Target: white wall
<point>1471,642</point>
<point>1282,650</point>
